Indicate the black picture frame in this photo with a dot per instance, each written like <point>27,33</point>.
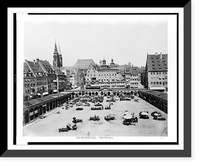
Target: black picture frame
<point>186,152</point>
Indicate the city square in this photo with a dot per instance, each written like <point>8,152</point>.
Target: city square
<point>98,61</point>
<point>60,117</point>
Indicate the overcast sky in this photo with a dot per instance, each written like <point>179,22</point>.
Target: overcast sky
<point>123,38</point>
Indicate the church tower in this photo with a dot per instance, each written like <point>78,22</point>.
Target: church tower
<point>60,57</point>
<point>57,58</point>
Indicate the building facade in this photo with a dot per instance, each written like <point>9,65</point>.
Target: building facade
<point>30,83</point>
<point>134,81</point>
<point>156,77</point>
<point>41,84</point>
<point>50,72</point>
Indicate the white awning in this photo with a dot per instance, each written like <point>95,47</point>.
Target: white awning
<point>157,88</point>
<point>144,113</point>
<point>55,90</point>
<point>128,116</point>
<point>45,93</point>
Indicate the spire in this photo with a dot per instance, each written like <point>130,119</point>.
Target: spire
<point>59,48</point>
<point>55,49</point>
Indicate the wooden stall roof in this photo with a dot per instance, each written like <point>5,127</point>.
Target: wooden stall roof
<point>161,95</point>
<point>42,100</point>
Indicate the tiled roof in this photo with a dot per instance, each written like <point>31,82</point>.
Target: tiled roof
<point>26,68</point>
<point>47,66</point>
<point>83,63</point>
<point>157,62</point>
<point>35,67</point>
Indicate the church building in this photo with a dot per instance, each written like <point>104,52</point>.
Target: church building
<point>57,57</point>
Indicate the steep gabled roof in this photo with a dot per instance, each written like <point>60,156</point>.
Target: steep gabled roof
<point>83,63</point>
<point>46,66</point>
<point>35,68</point>
<point>157,62</point>
<point>26,68</point>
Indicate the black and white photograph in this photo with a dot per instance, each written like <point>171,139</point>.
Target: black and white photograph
<point>96,79</point>
<point>95,76</point>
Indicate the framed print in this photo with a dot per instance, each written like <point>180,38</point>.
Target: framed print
<point>99,82</point>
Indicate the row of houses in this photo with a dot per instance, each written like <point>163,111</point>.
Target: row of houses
<point>40,78</point>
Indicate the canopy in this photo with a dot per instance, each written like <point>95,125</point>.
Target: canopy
<point>128,116</point>
<point>45,93</point>
<point>157,88</point>
<point>144,113</point>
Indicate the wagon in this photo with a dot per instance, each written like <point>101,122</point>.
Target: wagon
<point>79,108</point>
<point>155,113</point>
<point>96,108</point>
<point>144,115</point>
<point>68,128</point>
<point>130,121</point>
<point>108,107</point>
<point>109,117</point>
<point>159,117</point>
<point>76,120</point>
<point>95,118</point>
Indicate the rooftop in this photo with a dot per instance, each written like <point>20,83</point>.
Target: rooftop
<point>46,66</point>
<point>35,67</point>
<point>42,100</point>
<point>157,62</point>
<point>83,63</point>
<point>162,95</point>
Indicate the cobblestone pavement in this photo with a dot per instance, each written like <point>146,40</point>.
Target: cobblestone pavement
<point>145,127</point>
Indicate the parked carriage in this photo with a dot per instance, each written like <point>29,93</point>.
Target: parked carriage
<point>144,115</point>
<point>76,120</point>
<point>157,116</point>
<point>109,117</point>
<point>130,121</point>
<point>95,118</point>
<point>68,128</point>
<point>79,108</point>
<point>96,108</point>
